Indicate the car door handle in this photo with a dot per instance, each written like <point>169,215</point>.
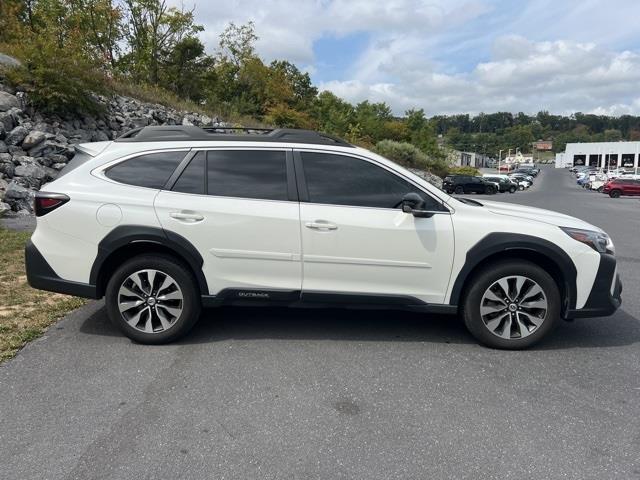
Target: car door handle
<point>192,217</point>
<point>321,225</point>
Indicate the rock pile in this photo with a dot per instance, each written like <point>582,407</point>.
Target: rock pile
<point>34,147</point>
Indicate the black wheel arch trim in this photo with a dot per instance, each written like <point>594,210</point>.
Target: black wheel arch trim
<point>497,242</point>
<point>130,234</point>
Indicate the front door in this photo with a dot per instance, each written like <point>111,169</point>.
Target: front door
<point>356,239</point>
<point>238,210</point>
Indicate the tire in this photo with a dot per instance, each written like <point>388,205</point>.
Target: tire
<point>600,189</point>
<point>521,187</point>
<point>512,189</point>
<point>173,312</point>
<point>459,190</point>
<point>490,329</point>
<point>490,190</point>
<point>615,193</point>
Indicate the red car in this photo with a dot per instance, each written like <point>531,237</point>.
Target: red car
<point>618,186</point>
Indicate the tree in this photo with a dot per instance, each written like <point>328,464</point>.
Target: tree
<point>300,83</point>
<point>185,68</point>
<point>237,43</point>
<point>153,31</point>
<point>333,114</point>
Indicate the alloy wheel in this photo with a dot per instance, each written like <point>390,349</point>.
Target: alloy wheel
<point>513,307</point>
<point>150,301</point>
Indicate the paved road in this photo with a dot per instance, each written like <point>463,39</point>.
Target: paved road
<point>305,394</point>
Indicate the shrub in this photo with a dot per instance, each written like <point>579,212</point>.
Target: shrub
<point>410,156</point>
<point>56,80</point>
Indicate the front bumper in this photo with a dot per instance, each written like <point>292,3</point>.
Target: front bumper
<point>606,294</point>
<point>40,275</point>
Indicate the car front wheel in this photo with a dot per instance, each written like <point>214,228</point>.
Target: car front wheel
<point>511,305</point>
<point>459,190</point>
<point>615,193</point>
<point>153,299</point>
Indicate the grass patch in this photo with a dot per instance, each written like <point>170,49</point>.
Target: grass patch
<point>25,313</point>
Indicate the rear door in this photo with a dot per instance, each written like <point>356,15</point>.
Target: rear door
<point>356,239</point>
<point>239,208</point>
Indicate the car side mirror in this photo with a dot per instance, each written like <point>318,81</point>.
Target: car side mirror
<point>414,204</point>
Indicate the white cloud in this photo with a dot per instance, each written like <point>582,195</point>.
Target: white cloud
<point>559,76</point>
<point>448,56</point>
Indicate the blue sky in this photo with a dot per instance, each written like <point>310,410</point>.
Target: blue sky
<point>451,56</point>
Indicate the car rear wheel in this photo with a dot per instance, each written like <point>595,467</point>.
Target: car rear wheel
<point>512,189</point>
<point>511,305</point>
<point>600,188</point>
<point>153,299</point>
<point>490,190</point>
<point>615,193</point>
<point>459,190</point>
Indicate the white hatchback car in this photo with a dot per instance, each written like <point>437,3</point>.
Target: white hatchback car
<point>165,220</point>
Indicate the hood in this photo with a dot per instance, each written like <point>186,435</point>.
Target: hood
<point>538,214</point>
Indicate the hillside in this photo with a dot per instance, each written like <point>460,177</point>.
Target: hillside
<point>35,146</point>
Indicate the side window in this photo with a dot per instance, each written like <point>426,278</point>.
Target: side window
<point>151,170</point>
<point>341,180</point>
<point>192,179</point>
<point>247,174</point>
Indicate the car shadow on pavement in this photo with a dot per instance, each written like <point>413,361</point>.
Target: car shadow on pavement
<point>246,323</point>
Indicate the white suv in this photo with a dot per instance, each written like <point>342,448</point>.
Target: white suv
<point>165,220</point>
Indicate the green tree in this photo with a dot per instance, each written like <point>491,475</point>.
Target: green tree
<point>153,31</point>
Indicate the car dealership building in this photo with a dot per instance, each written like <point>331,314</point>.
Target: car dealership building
<point>600,154</point>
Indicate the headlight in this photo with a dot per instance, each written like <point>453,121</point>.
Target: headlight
<point>600,242</point>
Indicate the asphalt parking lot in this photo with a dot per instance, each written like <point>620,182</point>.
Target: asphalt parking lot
<point>336,394</point>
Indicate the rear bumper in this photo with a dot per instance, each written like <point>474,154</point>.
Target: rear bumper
<point>40,275</point>
<point>606,294</point>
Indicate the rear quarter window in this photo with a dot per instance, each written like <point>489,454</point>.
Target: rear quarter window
<point>78,159</point>
<point>151,170</point>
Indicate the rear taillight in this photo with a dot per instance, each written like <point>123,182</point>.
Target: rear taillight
<point>46,202</point>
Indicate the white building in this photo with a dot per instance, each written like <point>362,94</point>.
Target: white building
<point>600,154</point>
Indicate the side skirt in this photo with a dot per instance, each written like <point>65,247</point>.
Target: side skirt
<point>297,299</point>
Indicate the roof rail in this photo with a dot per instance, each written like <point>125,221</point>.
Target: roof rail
<point>168,133</point>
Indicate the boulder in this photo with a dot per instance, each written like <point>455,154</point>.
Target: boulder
<point>99,136</point>
<point>7,121</point>
<point>15,191</point>
<point>7,61</point>
<point>30,170</point>
<point>32,139</point>
<point>3,147</point>
<point>8,101</point>
<point>7,169</point>
<point>4,208</point>
<point>16,136</point>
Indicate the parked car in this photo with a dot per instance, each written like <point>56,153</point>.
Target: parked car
<point>529,170</point>
<point>522,176</point>
<point>504,184</point>
<point>620,186</point>
<point>467,184</point>
<point>166,220</point>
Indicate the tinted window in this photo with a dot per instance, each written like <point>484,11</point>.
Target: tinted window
<point>340,180</point>
<point>247,174</point>
<point>191,180</point>
<point>151,170</point>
